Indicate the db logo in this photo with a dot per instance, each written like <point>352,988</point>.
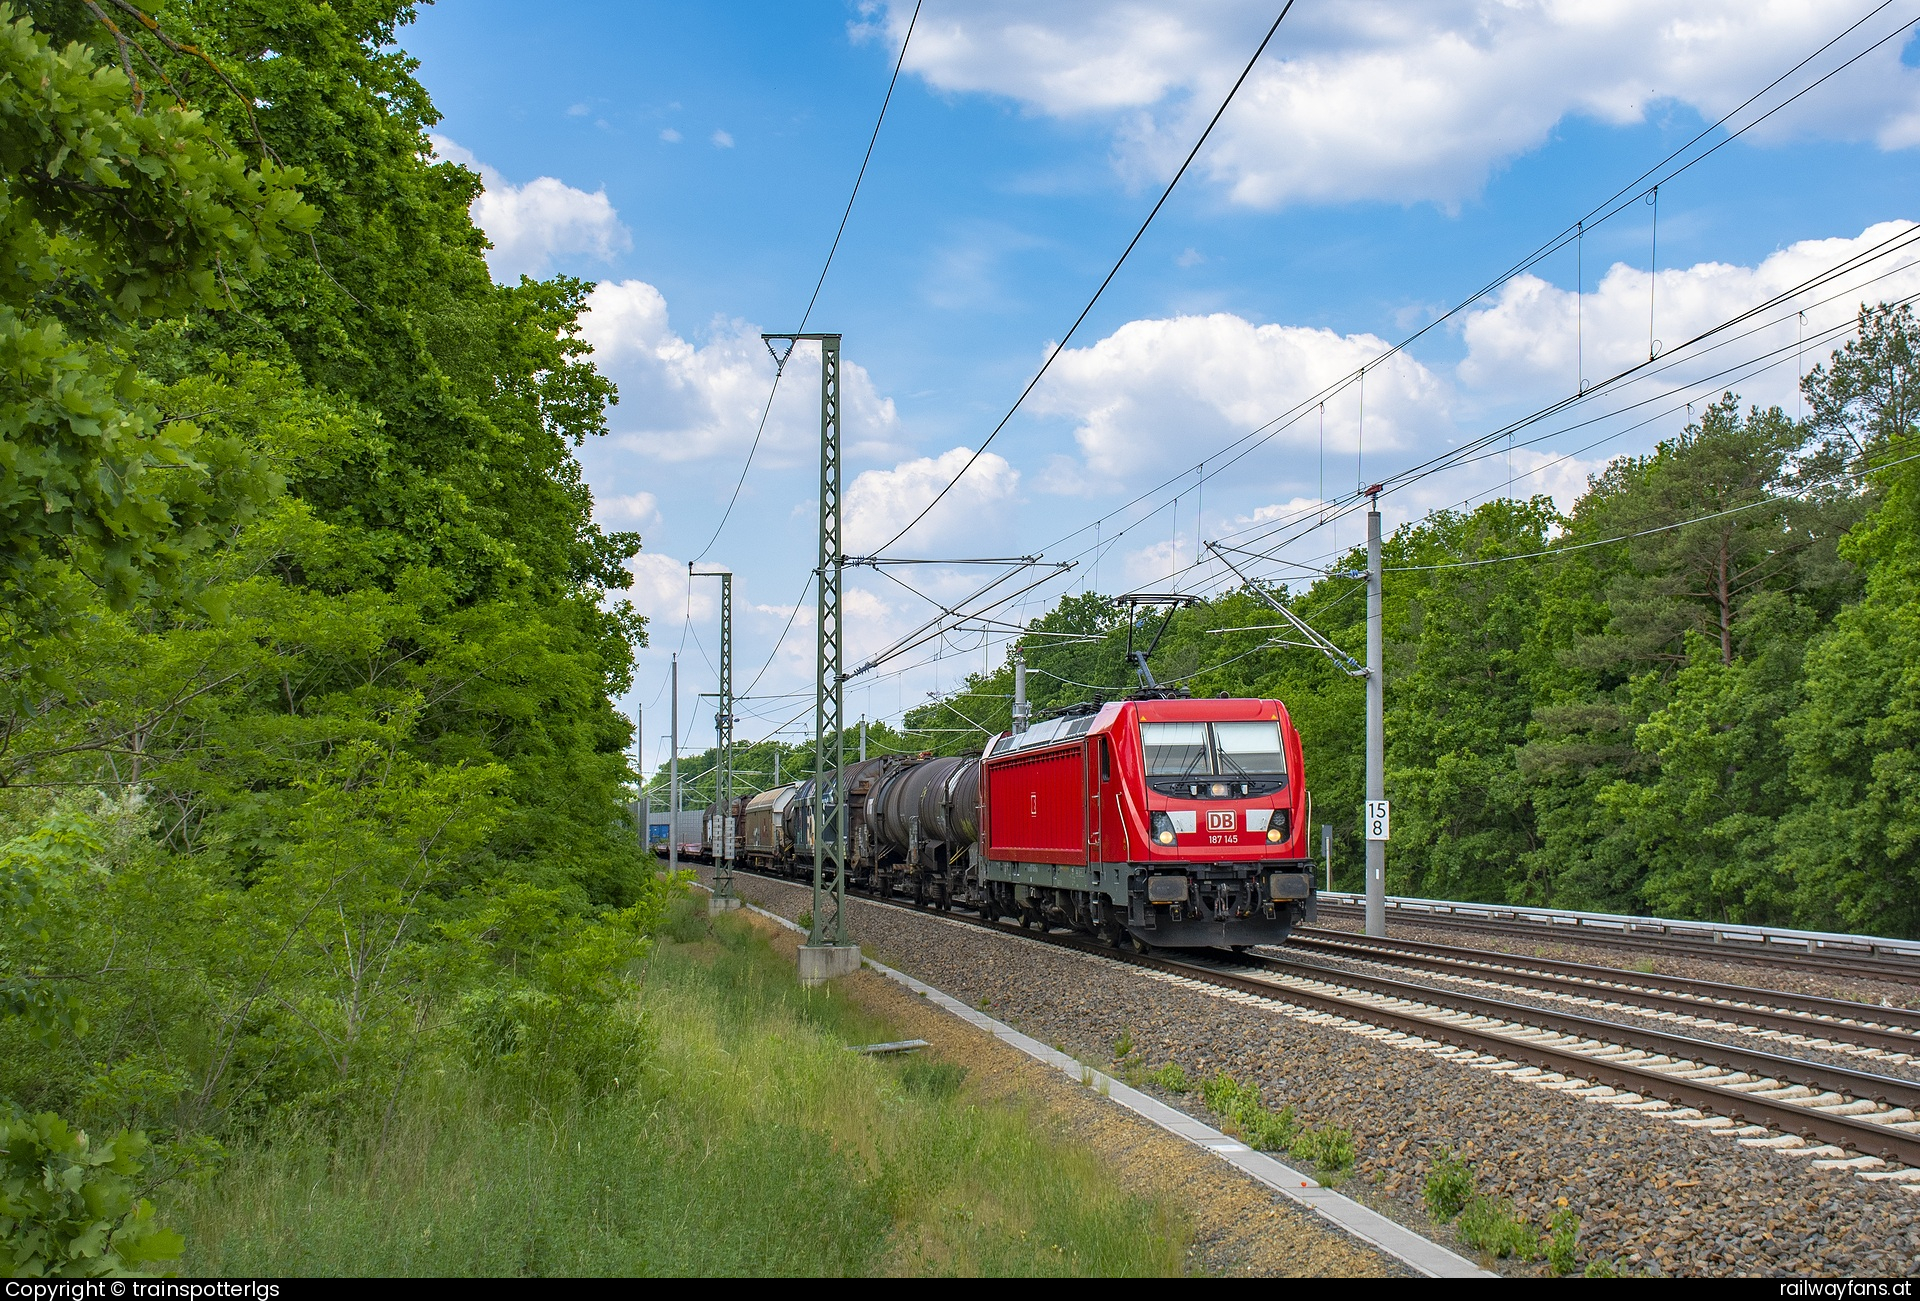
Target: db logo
<point>1220,819</point>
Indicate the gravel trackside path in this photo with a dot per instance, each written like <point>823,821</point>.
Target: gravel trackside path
<point>1653,1197</point>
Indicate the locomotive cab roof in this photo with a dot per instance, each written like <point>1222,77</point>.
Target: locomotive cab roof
<point>1078,721</point>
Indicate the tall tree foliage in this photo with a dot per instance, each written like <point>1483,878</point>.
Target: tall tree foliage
<point>309,768</point>
<point>1852,840</point>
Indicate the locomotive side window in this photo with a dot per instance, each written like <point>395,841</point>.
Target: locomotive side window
<point>1176,749</point>
<point>1246,749</point>
<point>1106,761</point>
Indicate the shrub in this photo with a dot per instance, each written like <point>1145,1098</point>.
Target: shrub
<point>68,1209</point>
<point>1329,1147</point>
<point>1563,1241</point>
<point>1449,1185</point>
<point>1491,1225</point>
<point>557,1017</point>
<point>1239,1104</point>
<point>1123,1046</point>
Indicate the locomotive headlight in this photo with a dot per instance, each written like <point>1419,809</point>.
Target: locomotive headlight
<point>1273,835</point>
<point>1163,828</point>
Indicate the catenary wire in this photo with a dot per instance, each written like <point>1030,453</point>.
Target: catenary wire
<point>832,249</point>
<point>1577,229</point>
<point>1457,455</point>
<point>1777,360</point>
<point>1672,358</point>
<point>1114,271</point>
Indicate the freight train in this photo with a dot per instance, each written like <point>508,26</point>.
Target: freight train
<point>1157,822</point>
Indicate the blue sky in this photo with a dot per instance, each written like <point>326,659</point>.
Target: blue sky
<point>1379,165</point>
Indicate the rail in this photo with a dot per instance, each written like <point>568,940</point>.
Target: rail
<point>1881,1026</point>
<point>1475,1022</point>
<point>1600,926</point>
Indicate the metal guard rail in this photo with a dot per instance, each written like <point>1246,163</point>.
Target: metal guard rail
<point>1599,925</point>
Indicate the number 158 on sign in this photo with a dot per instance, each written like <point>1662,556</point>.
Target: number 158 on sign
<point>1377,817</point>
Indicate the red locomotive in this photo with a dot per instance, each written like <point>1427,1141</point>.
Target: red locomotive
<point>1165,822</point>
<point>1178,822</point>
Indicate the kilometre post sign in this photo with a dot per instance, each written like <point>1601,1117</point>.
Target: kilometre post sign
<point>1377,819</point>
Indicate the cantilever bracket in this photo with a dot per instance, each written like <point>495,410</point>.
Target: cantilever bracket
<point>1341,660</point>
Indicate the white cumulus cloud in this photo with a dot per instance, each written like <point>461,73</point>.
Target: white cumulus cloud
<point>1157,394</point>
<point>1158,565</point>
<point>683,401</point>
<point>661,592</point>
<point>1535,335</point>
<point>533,225</point>
<point>1381,100</point>
<point>627,510</point>
<point>879,502</point>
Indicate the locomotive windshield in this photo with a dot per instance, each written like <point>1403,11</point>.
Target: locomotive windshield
<point>1248,748</point>
<point>1216,749</point>
<point>1176,749</point>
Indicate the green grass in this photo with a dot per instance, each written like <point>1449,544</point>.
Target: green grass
<point>1328,1146</point>
<point>752,1143</point>
<point>1170,1078</point>
<point>687,919</point>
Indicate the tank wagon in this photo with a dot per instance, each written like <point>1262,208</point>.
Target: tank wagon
<point>1171,823</point>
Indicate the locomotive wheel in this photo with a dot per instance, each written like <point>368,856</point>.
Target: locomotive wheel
<point>1137,944</point>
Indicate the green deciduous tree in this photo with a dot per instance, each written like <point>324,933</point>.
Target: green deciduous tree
<point>310,640</point>
<point>1853,836</point>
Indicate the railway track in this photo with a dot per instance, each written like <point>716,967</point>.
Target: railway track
<point>1859,965</point>
<point>1838,1024</point>
<point>1859,1111</point>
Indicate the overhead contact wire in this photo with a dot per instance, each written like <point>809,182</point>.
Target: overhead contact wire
<point>1600,211</point>
<point>832,249</point>
<point>1121,261</point>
